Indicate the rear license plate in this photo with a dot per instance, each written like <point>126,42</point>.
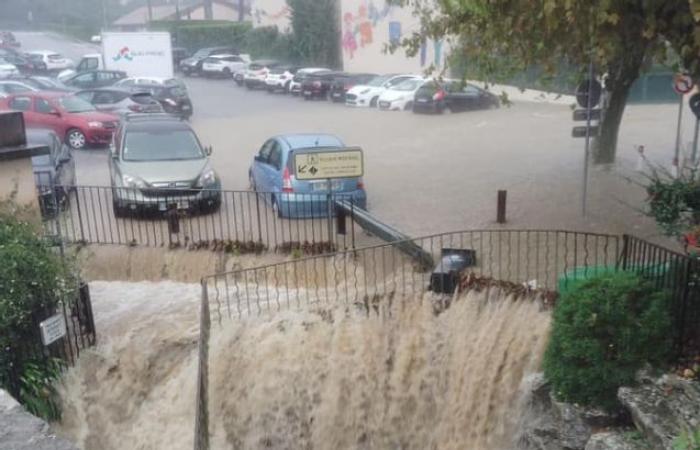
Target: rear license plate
<point>322,186</point>
<point>336,95</point>
<point>422,100</point>
<point>186,107</point>
<point>307,93</point>
<point>180,205</point>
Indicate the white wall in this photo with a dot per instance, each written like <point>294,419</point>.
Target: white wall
<point>366,29</point>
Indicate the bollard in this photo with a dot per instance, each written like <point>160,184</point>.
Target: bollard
<point>501,207</point>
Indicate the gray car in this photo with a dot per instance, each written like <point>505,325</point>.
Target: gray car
<point>157,164</point>
<point>121,101</point>
<point>54,173</point>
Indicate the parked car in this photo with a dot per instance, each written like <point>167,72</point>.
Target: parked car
<point>157,163</point>
<point>257,72</point>
<point>437,97</point>
<point>15,87</point>
<point>150,81</point>
<point>223,65</point>
<point>179,54</point>
<point>121,101</point>
<point>300,76</point>
<point>318,85</point>
<point>367,95</point>
<point>342,84</point>
<point>73,119</point>
<point>273,175</point>
<point>8,39</point>
<point>239,75</point>
<point>53,61</point>
<point>170,93</point>
<point>54,173</point>
<point>400,97</point>
<point>42,83</point>
<point>24,64</point>
<point>193,64</point>
<point>7,69</point>
<point>94,79</point>
<point>280,78</point>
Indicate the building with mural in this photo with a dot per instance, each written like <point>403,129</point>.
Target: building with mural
<point>369,26</point>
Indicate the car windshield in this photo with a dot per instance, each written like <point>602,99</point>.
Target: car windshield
<point>55,57</point>
<point>161,145</point>
<point>34,57</point>
<point>74,104</point>
<point>408,85</point>
<point>378,81</point>
<point>201,53</point>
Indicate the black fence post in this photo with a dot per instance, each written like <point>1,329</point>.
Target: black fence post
<point>257,208</point>
<point>624,253</point>
<point>80,215</point>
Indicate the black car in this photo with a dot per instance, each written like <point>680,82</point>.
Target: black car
<point>54,173</point>
<point>25,65</point>
<point>193,64</point>
<point>318,85</point>
<point>342,84</point>
<point>173,97</point>
<point>179,54</point>
<point>436,97</point>
<point>94,79</point>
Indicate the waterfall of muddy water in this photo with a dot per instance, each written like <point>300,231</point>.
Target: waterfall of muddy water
<point>401,379</point>
<point>331,378</point>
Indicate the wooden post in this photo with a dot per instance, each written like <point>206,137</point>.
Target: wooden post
<point>501,207</point>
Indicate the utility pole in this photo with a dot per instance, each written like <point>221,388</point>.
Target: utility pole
<point>241,10</point>
<point>208,10</point>
<point>150,10</point>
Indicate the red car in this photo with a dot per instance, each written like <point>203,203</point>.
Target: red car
<point>72,118</point>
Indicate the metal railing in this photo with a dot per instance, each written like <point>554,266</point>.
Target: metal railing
<point>677,273</point>
<point>232,221</point>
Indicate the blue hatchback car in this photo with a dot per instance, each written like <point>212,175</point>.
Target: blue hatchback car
<point>273,175</point>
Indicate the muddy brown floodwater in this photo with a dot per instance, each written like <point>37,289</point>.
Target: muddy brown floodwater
<point>331,378</point>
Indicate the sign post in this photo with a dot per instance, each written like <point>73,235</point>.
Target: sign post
<point>328,165</point>
<point>682,84</point>
<point>694,103</point>
<point>588,95</point>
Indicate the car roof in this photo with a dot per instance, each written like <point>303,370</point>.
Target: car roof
<point>43,94</point>
<point>43,52</point>
<point>309,140</point>
<point>222,55</point>
<point>155,122</point>
<point>107,89</point>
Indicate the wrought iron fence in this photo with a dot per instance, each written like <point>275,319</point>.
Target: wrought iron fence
<point>236,221</point>
<point>74,308</point>
<point>676,273</point>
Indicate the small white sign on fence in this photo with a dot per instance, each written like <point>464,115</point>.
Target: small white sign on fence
<point>52,329</point>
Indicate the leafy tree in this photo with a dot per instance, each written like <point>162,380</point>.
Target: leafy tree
<point>315,29</point>
<point>621,37</point>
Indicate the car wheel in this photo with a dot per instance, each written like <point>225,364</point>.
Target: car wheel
<point>76,139</point>
<point>373,102</point>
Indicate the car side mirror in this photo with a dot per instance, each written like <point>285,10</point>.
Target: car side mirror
<point>208,150</point>
<point>258,158</point>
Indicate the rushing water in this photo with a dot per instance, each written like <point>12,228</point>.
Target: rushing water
<point>403,378</point>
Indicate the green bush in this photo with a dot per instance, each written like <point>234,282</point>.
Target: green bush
<point>193,35</point>
<point>603,332</point>
<point>32,278</point>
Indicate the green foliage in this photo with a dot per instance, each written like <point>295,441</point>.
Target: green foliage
<point>674,202</point>
<point>37,391</point>
<point>32,279</point>
<point>603,332</point>
<point>315,30</point>
<point>269,42</point>
<point>194,34</point>
<point>688,440</point>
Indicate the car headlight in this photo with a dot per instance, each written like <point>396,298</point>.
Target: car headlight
<point>170,102</point>
<point>364,91</point>
<point>95,124</point>
<point>133,182</point>
<point>207,178</point>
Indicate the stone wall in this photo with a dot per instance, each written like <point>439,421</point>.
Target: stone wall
<point>20,430</point>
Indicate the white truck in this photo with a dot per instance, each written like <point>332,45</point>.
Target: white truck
<point>139,54</point>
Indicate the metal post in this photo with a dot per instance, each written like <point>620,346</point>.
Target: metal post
<point>329,210</point>
<point>588,139</point>
<point>676,157</point>
<point>501,207</point>
<point>150,10</point>
<point>694,159</point>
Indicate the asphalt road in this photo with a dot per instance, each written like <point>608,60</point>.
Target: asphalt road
<point>427,174</point>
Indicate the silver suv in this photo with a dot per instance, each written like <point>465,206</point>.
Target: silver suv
<point>157,164</point>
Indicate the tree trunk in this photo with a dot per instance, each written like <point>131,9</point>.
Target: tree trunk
<point>605,146</point>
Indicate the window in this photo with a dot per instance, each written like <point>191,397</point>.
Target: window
<point>105,76</point>
<point>161,145</point>
<point>471,90</point>
<point>127,82</point>
<point>42,106</point>
<point>102,98</point>
<point>265,151</point>
<point>15,88</point>
<point>21,103</point>
<point>83,79</point>
<point>276,156</point>
<point>86,95</point>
